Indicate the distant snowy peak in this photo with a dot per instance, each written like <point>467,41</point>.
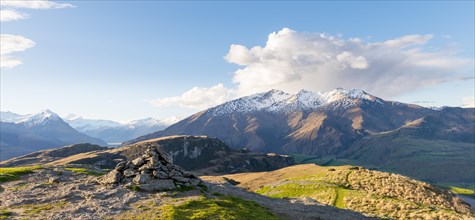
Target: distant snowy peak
<point>80,123</point>
<point>152,122</point>
<point>42,118</point>
<point>10,117</point>
<point>279,101</point>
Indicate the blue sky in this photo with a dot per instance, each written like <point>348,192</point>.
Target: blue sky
<point>126,60</point>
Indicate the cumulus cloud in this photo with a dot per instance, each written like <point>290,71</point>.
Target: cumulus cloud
<point>468,102</point>
<point>11,15</point>
<point>293,60</point>
<point>34,4</point>
<point>10,44</point>
<point>197,98</point>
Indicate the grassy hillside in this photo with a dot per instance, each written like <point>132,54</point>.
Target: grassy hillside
<point>374,193</point>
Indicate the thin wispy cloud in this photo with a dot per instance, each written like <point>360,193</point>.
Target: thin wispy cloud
<point>16,43</point>
<point>292,60</point>
<point>34,4</point>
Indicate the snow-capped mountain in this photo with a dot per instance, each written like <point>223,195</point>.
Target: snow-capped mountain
<point>116,132</point>
<point>42,118</point>
<point>81,124</point>
<point>279,101</point>
<point>27,133</point>
<point>320,123</point>
<point>9,116</point>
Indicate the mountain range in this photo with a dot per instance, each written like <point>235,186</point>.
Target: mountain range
<point>344,124</point>
<point>116,132</point>
<point>21,134</point>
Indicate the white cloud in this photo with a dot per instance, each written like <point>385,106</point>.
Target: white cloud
<point>468,102</point>
<point>34,4</point>
<point>15,43</point>
<point>11,15</point>
<point>10,44</point>
<point>197,98</point>
<point>292,60</point>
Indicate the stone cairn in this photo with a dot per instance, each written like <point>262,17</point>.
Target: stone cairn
<point>154,171</point>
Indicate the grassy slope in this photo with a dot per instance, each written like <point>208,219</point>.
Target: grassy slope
<point>371,192</point>
<point>429,160</point>
<point>199,207</point>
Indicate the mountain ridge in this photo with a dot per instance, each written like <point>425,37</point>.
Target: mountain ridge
<point>333,128</point>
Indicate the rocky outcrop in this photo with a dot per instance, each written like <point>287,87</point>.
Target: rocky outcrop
<point>153,171</point>
<point>199,154</point>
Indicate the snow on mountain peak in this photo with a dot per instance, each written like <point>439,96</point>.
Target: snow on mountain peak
<point>276,100</point>
<point>41,118</point>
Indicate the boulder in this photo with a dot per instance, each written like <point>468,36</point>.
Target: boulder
<point>159,174</point>
<point>138,162</point>
<point>129,172</point>
<point>142,178</point>
<point>120,166</point>
<point>112,177</point>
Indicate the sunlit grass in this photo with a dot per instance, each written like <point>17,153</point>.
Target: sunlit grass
<point>221,208</point>
<point>14,173</point>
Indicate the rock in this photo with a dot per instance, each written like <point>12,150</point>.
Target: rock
<point>129,173</point>
<point>142,178</point>
<point>165,169</point>
<point>174,173</point>
<point>195,182</point>
<point>120,166</point>
<point>160,174</point>
<point>138,162</point>
<point>157,185</point>
<point>165,156</point>
<point>181,179</point>
<point>54,179</point>
<point>155,162</point>
<point>112,177</point>
<point>189,175</point>
<point>151,172</point>
<point>146,171</point>
<point>145,167</point>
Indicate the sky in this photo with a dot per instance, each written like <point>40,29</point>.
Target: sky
<point>125,60</point>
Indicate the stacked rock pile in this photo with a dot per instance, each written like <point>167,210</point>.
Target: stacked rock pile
<point>154,171</point>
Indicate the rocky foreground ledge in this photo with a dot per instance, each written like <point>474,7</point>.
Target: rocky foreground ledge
<point>142,188</point>
<point>154,171</point>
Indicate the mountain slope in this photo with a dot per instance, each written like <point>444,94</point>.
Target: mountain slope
<point>436,148</point>
<point>345,124</point>
<point>199,154</point>
<point>306,122</point>
<point>39,131</point>
<point>374,193</point>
